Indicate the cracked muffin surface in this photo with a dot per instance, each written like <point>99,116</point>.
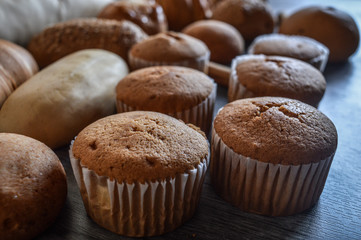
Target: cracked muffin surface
<point>140,146</point>
<point>281,77</point>
<point>276,130</point>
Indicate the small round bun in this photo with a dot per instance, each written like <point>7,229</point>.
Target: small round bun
<point>334,28</point>
<point>33,186</point>
<point>251,17</point>
<point>222,39</point>
<point>180,13</point>
<point>148,15</point>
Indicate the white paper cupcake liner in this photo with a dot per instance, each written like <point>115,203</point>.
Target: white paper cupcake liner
<point>201,63</point>
<point>265,188</point>
<point>139,209</point>
<point>236,90</point>
<point>200,115</point>
<point>318,62</point>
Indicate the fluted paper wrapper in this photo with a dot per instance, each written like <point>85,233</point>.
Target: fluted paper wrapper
<point>318,62</point>
<point>201,63</point>
<point>139,209</point>
<point>200,115</point>
<point>236,90</point>
<point>265,188</point>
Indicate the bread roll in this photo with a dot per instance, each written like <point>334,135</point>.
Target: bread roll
<point>59,101</point>
<point>334,28</point>
<point>146,14</point>
<point>180,13</point>
<point>32,187</point>
<point>65,38</point>
<point>22,19</point>
<point>16,66</point>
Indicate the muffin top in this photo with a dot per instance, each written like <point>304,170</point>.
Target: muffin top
<point>147,14</point>
<point>32,186</point>
<point>281,76</point>
<point>222,39</point>
<point>169,47</point>
<point>299,47</point>
<point>140,146</point>
<point>276,130</point>
<point>164,89</point>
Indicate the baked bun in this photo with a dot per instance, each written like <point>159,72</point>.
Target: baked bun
<point>16,66</point>
<point>64,38</point>
<point>146,14</point>
<point>23,19</point>
<point>180,13</point>
<point>334,28</point>
<point>250,17</point>
<point>222,39</point>
<point>33,187</point>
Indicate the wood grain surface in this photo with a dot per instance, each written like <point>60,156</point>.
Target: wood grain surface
<point>337,215</point>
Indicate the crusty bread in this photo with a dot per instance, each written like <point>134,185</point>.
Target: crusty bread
<point>33,187</point>
<point>146,14</point>
<point>180,13</point>
<point>16,66</point>
<point>59,101</point>
<point>22,19</point>
<point>64,38</point>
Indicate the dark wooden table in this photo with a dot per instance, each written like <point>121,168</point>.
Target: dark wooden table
<point>337,215</point>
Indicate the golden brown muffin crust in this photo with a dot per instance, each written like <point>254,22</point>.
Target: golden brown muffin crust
<point>276,130</point>
<point>140,146</point>
<point>281,76</point>
<point>169,47</point>
<point>147,14</point>
<point>250,17</point>
<point>222,39</point>
<point>64,38</point>
<point>32,186</point>
<point>165,89</point>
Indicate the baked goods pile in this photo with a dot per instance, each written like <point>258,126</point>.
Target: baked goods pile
<point>148,60</point>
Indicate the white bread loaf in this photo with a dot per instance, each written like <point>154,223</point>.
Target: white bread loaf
<point>22,19</point>
<point>59,101</point>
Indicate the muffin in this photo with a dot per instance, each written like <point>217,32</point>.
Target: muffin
<point>180,13</point>
<point>222,39</point>
<point>302,48</point>
<point>140,173</point>
<point>251,17</point>
<point>16,66</point>
<point>334,28</point>
<point>259,75</point>
<point>145,13</point>
<point>183,93</point>
<point>170,48</point>
<point>68,37</point>
<point>32,187</point>
<point>271,155</point>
